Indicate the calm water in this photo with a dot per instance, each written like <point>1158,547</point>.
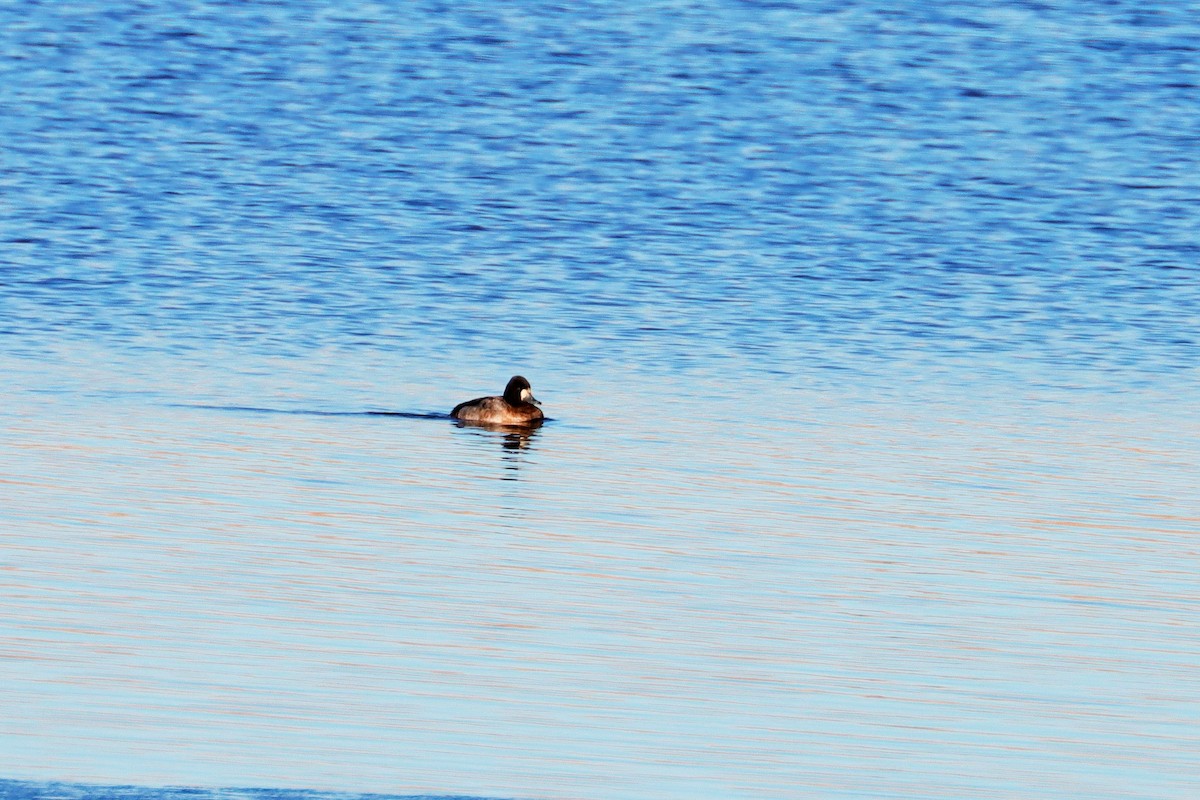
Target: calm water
<point>869,338</point>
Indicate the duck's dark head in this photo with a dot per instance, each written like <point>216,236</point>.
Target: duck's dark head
<point>518,391</point>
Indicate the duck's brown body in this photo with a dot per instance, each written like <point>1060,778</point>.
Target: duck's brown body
<point>515,407</point>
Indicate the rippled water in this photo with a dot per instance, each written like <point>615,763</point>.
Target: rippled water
<point>868,339</point>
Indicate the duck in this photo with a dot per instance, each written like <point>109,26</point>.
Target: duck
<point>517,406</point>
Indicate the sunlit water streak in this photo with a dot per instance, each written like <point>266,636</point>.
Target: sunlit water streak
<point>867,338</point>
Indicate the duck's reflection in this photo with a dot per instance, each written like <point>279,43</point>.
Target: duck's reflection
<point>514,441</point>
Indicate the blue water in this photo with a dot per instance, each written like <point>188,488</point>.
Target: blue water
<point>28,790</point>
<point>869,338</point>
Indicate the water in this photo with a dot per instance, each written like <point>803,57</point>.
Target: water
<point>868,338</point>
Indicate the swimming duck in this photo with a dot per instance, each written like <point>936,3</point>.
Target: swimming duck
<point>517,406</point>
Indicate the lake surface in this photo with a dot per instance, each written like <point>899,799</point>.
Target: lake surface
<point>869,341</point>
